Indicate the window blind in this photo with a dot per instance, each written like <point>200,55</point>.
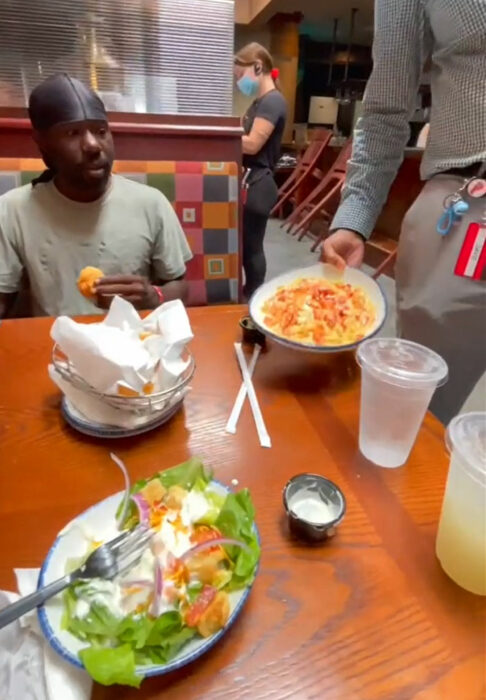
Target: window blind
<point>157,56</point>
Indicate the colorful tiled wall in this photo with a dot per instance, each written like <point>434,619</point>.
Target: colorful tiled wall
<point>205,197</point>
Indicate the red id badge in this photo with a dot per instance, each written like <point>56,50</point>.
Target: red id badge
<point>471,262</point>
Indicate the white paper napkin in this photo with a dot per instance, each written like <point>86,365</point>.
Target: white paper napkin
<point>103,355</point>
<point>173,324</point>
<point>29,668</point>
<point>113,353</point>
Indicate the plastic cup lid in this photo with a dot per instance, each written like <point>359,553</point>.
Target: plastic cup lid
<point>402,362</point>
<point>466,435</point>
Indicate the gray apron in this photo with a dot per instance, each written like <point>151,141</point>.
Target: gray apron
<point>437,308</point>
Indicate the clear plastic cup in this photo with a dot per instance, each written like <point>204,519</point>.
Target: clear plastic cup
<point>461,537</point>
<point>398,380</point>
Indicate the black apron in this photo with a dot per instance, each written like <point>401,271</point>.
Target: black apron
<point>259,191</point>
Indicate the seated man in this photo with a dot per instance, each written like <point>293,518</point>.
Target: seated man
<point>77,214</point>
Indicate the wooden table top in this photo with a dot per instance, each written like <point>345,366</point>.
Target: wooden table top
<point>370,615</point>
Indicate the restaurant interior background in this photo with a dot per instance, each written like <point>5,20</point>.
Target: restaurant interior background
<point>175,57</point>
<point>369,615</point>
<point>164,70</point>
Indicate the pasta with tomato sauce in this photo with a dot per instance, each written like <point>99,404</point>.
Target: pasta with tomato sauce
<point>316,311</point>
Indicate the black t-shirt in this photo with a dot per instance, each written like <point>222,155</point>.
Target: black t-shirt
<point>273,108</point>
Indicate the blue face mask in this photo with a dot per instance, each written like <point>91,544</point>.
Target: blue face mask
<point>248,86</point>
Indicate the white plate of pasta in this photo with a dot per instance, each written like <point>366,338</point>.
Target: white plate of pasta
<point>319,309</point>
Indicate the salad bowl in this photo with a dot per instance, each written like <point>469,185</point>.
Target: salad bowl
<point>100,523</point>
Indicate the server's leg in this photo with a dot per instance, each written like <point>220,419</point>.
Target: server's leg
<point>254,263</point>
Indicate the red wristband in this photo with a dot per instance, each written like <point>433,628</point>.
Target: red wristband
<point>159,293</point>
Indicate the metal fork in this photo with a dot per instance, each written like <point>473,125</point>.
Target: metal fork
<point>109,560</point>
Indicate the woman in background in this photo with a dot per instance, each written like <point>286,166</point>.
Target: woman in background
<point>263,123</point>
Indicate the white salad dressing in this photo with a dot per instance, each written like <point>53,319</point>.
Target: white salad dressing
<point>174,541</point>
<point>82,608</point>
<point>144,570</point>
<point>171,539</point>
<point>167,599</point>
<point>104,593</point>
<point>194,507</point>
<point>308,506</point>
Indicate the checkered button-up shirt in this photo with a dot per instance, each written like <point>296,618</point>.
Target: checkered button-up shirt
<point>453,34</point>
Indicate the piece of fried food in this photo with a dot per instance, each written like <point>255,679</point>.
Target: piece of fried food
<point>153,492</point>
<point>204,566</point>
<point>175,497</point>
<point>87,279</point>
<point>126,392</point>
<point>215,616</point>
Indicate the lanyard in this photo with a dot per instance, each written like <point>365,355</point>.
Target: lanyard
<point>455,206</point>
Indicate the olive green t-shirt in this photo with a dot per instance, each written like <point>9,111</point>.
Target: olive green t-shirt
<point>132,229</point>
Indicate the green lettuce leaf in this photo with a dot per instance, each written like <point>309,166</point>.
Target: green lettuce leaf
<point>236,520</point>
<point>222,578</point>
<point>119,645</point>
<point>108,666</point>
<point>189,475</point>
<point>186,474</point>
<point>99,626</point>
<point>149,641</point>
<point>135,631</point>
<point>193,590</point>
<point>215,499</point>
<point>69,598</point>
<point>215,502</point>
<point>164,626</point>
<point>166,651</point>
<point>168,635</point>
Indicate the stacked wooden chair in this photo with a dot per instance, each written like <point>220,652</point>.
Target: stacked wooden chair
<point>305,170</point>
<point>320,203</point>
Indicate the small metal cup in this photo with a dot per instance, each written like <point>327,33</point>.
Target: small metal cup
<point>250,333</point>
<point>305,485</point>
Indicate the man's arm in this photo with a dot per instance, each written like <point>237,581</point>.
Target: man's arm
<point>175,289</point>
<point>139,291</point>
<point>383,129</point>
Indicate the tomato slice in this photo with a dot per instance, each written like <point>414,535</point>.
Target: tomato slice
<point>204,533</point>
<point>200,605</point>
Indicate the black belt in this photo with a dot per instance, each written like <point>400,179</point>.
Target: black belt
<point>467,171</point>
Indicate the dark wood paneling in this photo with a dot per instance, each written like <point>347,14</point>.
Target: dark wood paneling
<point>136,117</point>
<point>141,137</point>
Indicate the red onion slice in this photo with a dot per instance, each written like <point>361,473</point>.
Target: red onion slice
<point>126,495</point>
<point>158,588</point>
<point>219,541</point>
<point>142,507</point>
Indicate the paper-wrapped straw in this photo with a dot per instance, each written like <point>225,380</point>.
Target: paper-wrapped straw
<point>263,435</point>
<point>240,399</point>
